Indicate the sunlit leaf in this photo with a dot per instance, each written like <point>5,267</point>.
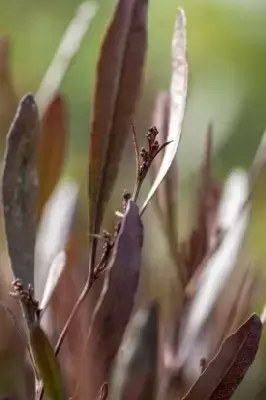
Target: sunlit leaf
<point>54,274</point>
<point>220,264</point>
<point>53,231</point>
<point>166,198</point>
<point>178,94</point>
<point>46,363</point>
<point>135,370</point>
<point>51,154</point>
<point>19,189</point>
<point>117,89</point>
<point>160,119</point>
<point>225,372</point>
<point>68,47</point>
<point>114,307</point>
<point>234,197</point>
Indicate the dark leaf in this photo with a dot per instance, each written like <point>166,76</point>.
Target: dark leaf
<point>206,207</point>
<point>225,372</point>
<point>19,189</point>
<point>135,370</point>
<point>51,154</point>
<point>117,89</point>
<point>178,95</point>
<point>46,363</point>
<point>233,307</point>
<point>114,307</point>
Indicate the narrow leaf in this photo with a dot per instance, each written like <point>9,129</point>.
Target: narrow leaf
<point>215,274</point>
<point>178,94</point>
<point>53,232</point>
<point>68,47</point>
<point>116,302</point>
<point>160,119</point>
<point>19,189</point>
<point>225,372</point>
<point>54,274</point>
<point>166,199</point>
<point>234,197</point>
<point>207,201</point>
<point>46,363</point>
<point>117,89</point>
<point>135,369</point>
<point>51,154</point>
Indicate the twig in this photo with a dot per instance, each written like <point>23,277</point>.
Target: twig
<point>137,158</point>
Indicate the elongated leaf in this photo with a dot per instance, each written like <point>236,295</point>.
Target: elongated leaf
<point>233,308</point>
<point>8,97</point>
<point>54,274</point>
<point>115,305</point>
<point>53,232</point>
<point>225,372</point>
<point>218,269</point>
<point>135,370</point>
<point>234,196</point>
<point>119,76</point>
<point>178,94</point>
<point>19,189</point>
<point>68,47</point>
<point>166,199</point>
<point>207,202</point>
<point>46,363</point>
<point>160,119</point>
<point>52,143</point>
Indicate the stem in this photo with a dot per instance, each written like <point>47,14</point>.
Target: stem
<point>137,158</point>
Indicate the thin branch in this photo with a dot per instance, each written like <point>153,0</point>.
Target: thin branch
<point>137,159</point>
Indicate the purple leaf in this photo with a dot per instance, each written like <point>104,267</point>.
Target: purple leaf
<point>135,370</point>
<point>116,302</point>
<point>19,189</point>
<point>117,90</point>
<point>225,372</point>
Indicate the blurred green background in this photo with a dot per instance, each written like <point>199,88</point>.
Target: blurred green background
<point>227,85</point>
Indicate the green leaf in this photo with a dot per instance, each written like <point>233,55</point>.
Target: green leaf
<point>46,363</point>
<point>19,189</point>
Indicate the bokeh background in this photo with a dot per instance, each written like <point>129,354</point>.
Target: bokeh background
<point>227,87</point>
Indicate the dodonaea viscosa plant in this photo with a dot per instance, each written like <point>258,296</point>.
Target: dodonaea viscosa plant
<point>103,344</point>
